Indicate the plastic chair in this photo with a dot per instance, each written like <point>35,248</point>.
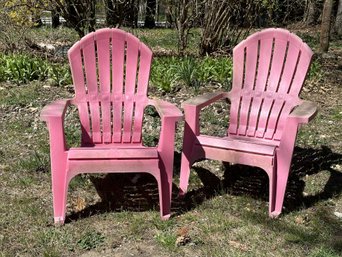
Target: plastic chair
<point>269,69</point>
<point>110,70</point>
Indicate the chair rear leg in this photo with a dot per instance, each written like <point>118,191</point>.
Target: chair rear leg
<point>272,191</point>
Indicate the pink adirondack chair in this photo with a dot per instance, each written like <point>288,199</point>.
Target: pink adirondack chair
<point>110,70</point>
<point>269,69</point>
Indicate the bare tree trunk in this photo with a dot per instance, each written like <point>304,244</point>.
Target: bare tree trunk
<point>338,21</point>
<point>114,13</point>
<point>109,11</point>
<point>168,16</point>
<point>55,18</point>
<point>150,14</point>
<point>78,14</point>
<point>182,25</point>
<point>91,17</point>
<point>225,23</point>
<point>157,10</point>
<point>310,12</point>
<point>136,13</point>
<point>215,21</point>
<point>131,14</point>
<point>326,24</point>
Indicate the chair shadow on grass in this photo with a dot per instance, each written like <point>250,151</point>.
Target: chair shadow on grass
<point>124,192</point>
<point>252,181</point>
<point>139,191</point>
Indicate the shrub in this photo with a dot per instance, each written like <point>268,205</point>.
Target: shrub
<point>166,72</point>
<point>191,72</point>
<point>60,75</point>
<point>163,73</point>
<point>187,72</point>
<point>218,70</point>
<point>22,68</point>
<point>315,71</point>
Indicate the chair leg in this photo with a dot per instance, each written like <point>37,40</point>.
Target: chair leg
<point>164,189</point>
<point>184,175</point>
<point>282,173</point>
<point>59,192</point>
<point>272,190</point>
<point>186,162</point>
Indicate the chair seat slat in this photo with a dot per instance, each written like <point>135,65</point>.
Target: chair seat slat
<point>112,153</point>
<point>238,145</point>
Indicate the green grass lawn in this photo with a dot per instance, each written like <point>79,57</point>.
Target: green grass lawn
<point>225,211</point>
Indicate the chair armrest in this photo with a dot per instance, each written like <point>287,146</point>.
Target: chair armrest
<point>169,115</point>
<point>53,115</point>
<point>166,109</point>
<point>193,106</point>
<point>304,112</point>
<point>204,100</point>
<point>55,109</point>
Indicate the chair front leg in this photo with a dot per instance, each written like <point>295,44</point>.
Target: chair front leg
<point>59,189</point>
<point>283,163</point>
<point>191,130</point>
<point>166,155</point>
<point>59,174</point>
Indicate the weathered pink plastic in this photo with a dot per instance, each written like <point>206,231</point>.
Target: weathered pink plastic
<point>269,69</point>
<point>110,70</point>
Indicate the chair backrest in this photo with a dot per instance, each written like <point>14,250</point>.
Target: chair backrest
<point>110,70</point>
<point>269,69</point>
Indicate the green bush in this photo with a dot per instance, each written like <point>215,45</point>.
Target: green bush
<point>166,73</point>
<point>218,70</point>
<point>187,72</point>
<point>22,68</point>
<point>315,71</point>
<point>190,72</point>
<point>59,75</point>
<point>2,72</point>
<point>163,73</point>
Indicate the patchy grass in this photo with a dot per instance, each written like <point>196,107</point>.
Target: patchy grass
<point>164,41</point>
<point>224,213</point>
<point>46,34</point>
<point>90,240</point>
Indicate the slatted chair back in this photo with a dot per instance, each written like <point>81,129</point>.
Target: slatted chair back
<point>110,70</point>
<point>269,69</point>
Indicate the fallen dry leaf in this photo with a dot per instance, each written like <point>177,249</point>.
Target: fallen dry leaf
<point>183,231</point>
<point>238,245</point>
<point>79,204</point>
